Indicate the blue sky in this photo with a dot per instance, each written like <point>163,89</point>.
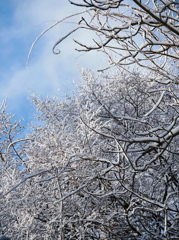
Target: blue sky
<point>21,21</point>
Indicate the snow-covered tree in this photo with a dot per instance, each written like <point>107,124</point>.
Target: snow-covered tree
<point>102,165</point>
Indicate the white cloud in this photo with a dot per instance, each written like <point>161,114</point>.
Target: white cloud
<point>47,72</point>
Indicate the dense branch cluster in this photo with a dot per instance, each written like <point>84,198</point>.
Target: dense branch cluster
<point>102,166</point>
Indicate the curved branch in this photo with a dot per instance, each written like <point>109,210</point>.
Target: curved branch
<point>46,30</point>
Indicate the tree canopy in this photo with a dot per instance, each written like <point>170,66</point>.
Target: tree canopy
<point>103,162</point>
<point>102,166</point>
